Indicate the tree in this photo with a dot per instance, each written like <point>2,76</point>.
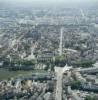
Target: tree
<point>60,61</point>
<point>84,63</point>
<point>76,85</point>
<point>89,98</point>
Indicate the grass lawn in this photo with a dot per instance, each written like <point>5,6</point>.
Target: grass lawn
<point>5,74</point>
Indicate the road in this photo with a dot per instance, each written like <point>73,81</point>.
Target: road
<point>59,71</point>
<point>59,85</point>
<point>61,42</point>
<point>59,76</point>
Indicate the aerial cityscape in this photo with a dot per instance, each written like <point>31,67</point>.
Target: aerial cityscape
<point>48,50</point>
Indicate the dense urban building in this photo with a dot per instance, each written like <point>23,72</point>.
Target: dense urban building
<point>48,51</point>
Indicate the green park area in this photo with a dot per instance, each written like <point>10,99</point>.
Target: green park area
<point>6,74</point>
